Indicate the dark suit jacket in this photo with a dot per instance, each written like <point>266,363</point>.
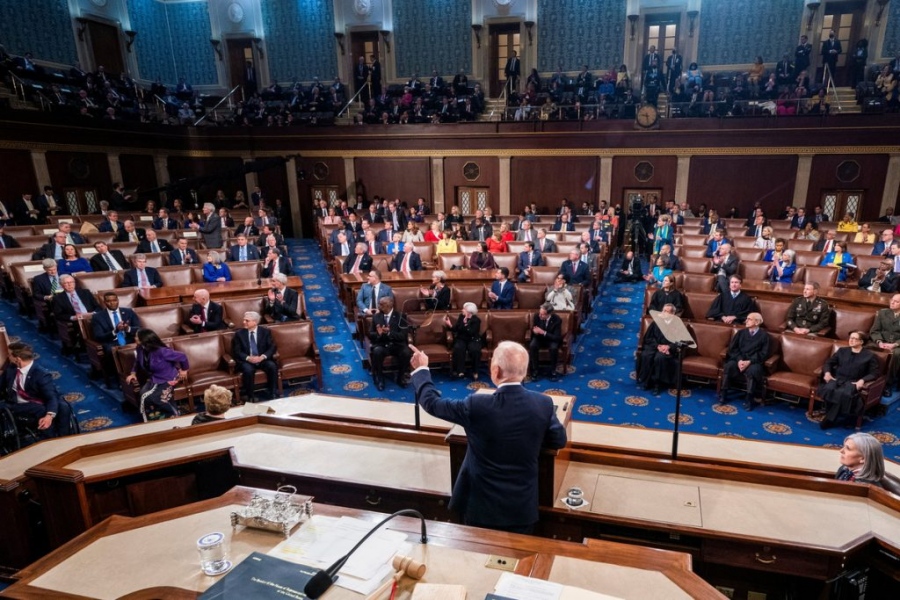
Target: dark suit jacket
<point>888,286</point>
<point>505,299</point>
<point>10,242</point>
<point>796,224</point>
<point>544,246</point>
<point>122,235</point>
<point>38,384</point>
<point>106,227</point>
<point>62,307</point>
<point>726,306</point>
<point>103,330</point>
<point>415,261</point>
<point>48,250</point>
<point>240,345</point>
<point>41,286</point>
<point>524,262</point>
<point>252,252</point>
<point>211,231</point>
<point>44,206</point>
<point>99,264</point>
<point>336,248</point>
<point>282,266</point>
<point>169,224</point>
<point>498,482</point>
<point>560,226</point>
<point>819,246</point>
<point>22,215</point>
<point>553,328</point>
<point>131,278</point>
<point>144,246</point>
<point>365,264</point>
<point>284,309</point>
<point>396,333</point>
<point>215,317</point>
<point>250,232</point>
<point>175,256</point>
<point>580,275</point>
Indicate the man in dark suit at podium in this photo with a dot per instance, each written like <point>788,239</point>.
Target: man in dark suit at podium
<point>497,486</point>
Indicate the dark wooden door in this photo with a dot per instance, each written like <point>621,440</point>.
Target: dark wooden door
<point>837,203</point>
<point>846,19</point>
<point>364,44</point>
<point>504,40</point>
<point>106,47</point>
<point>242,68</point>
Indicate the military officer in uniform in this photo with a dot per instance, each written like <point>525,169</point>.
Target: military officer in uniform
<point>809,314</point>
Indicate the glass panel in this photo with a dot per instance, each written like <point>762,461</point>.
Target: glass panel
<point>333,196</point>
<point>826,25</point>
<point>654,34</point>
<point>829,204</point>
<point>90,198</point>
<point>670,30</point>
<point>482,199</point>
<point>465,202</point>
<point>515,39</point>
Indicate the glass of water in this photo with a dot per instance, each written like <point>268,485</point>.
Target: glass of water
<point>213,554</point>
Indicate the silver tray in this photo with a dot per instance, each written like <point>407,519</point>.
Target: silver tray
<point>281,514</point>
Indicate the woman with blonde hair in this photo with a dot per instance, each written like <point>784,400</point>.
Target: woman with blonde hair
<point>217,401</point>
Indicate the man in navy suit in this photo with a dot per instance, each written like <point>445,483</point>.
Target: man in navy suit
<point>563,224</point>
<point>371,293</point>
<point>108,260</point>
<point>6,240</point>
<point>114,326</point>
<point>497,486</point>
<point>528,258</point>
<point>545,333</point>
<point>253,348</point>
<point>502,290</point>
<point>130,233</point>
<point>343,246</point>
<point>206,315</point>
<point>360,262</point>
<point>163,221</point>
<point>141,275</point>
<point>244,251</point>
<point>388,335</point>
<point>282,302</point>
<point>712,248</point>
<point>31,393</point>
<point>49,204</point>
<point>885,245</point>
<point>574,270</point>
<point>800,220</point>
<point>112,224</point>
<point>151,244</point>
<point>408,260</point>
<point>182,254</point>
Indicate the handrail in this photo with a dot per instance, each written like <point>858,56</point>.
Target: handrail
<point>355,96</point>
<point>218,104</point>
<point>830,87</point>
<point>20,88</point>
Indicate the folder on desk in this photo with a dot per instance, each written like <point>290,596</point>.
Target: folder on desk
<point>261,577</point>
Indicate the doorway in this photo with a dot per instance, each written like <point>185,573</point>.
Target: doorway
<point>846,19</point>
<point>470,199</point>
<point>106,47</point>
<point>837,203</point>
<point>661,30</point>
<point>81,201</point>
<point>242,66</point>
<point>504,39</point>
<point>362,44</point>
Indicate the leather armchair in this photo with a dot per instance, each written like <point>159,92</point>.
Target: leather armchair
<point>799,366</point>
<point>870,394</point>
<point>298,355</point>
<point>166,320</point>
<point>704,363</point>
<point>209,363</point>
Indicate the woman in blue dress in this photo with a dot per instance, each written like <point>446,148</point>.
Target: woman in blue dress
<point>214,269</point>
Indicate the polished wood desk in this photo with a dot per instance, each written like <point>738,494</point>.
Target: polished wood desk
<point>221,290</point>
<point>155,556</point>
<point>840,297</point>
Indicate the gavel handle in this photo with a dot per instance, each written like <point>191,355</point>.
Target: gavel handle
<point>386,586</point>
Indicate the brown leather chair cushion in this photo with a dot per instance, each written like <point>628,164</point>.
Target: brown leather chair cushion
<point>448,260</point>
<point>467,293</point>
<point>177,275</point>
<point>698,304</point>
<point>695,265</point>
<point>774,313</point>
<point>801,361</point>
<point>206,363</point>
<point>165,320</point>
<point>848,320</point>
<point>406,298</point>
<point>298,355</point>
<point>234,310</point>
<point>826,277</point>
<point>706,359</point>
<point>697,282</point>
<point>692,252</point>
<point>530,295</point>
<point>512,326</point>
<point>244,271</point>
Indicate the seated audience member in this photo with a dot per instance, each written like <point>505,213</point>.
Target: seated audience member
<point>559,295</point>
<point>160,368</point>
<point>880,279</point>
<point>54,249</point>
<point>395,247</point>
<point>206,315</point>
<point>434,233</point>
<point>630,269</point>
<point>108,260</point>
<point>370,294</point>
<point>183,254</point>
<point>243,251</point>
<point>669,259</point>
<point>437,295</point>
<point>141,275</point>
<point>865,235</point>
<point>546,332</point>
<point>447,245</point>
<point>502,291</point>
<point>70,303</point>
<point>575,270</point>
<point>716,242</point>
<point>115,326</point>
<point>6,240</point>
<point>360,262</point>
<point>163,222</point>
<point>544,244</point>
<point>848,224</point>
<point>47,284</point>
<point>659,271</point>
<point>275,263</point>
<point>862,459</point>
<point>466,340</point>
<point>72,237</point>
<point>528,258</point>
<point>151,244</point>
<point>482,259</point>
<point>782,271</point>
<point>732,306</point>
<point>217,401</point>
<point>253,348</point>
<point>412,233</point>
<point>839,260</point>
<point>667,294</point>
<point>407,261</point>
<point>496,243</point>
<point>214,269</point>
<point>825,243</point>
<point>282,302</point>
<point>885,334</point>
<point>885,245</point>
<point>30,393</point>
<point>758,227</point>
<point>658,358</point>
<point>765,241</point>
<point>747,353</point>
<point>809,233</point>
<point>844,374</point>
<point>130,233</point>
<point>774,253</point>
<point>389,337</point>
<point>725,263</point>
<point>252,231</point>
<point>72,262</point>
<point>809,314</point>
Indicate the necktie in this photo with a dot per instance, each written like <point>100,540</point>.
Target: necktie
<point>371,247</point>
<point>54,285</point>
<point>734,294</point>
<point>154,246</point>
<point>253,349</point>
<point>134,236</point>
<point>120,336</point>
<point>59,252</point>
<point>20,388</point>
<point>109,262</point>
<point>183,258</point>
<point>405,268</point>
<point>76,303</point>
<point>345,249</point>
<point>355,268</point>
<point>758,231</point>
<point>2,243</point>
<point>203,314</point>
<point>142,278</point>
<point>528,236</point>
<point>243,256</point>
<point>374,297</point>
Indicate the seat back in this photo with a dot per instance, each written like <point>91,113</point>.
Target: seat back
<point>695,265</point>
<point>800,245</point>
<point>165,320</point>
<point>294,339</point>
<point>800,354</point>
<point>809,258</point>
<point>751,254</point>
<point>753,270</point>
<point>176,275</point>
<point>461,294</point>
<point>128,297</point>
<point>774,313</point>
<point>99,281</point>
<point>711,338</point>
<point>544,275</point>
<point>697,282</point>
<point>697,304</point>
<point>847,320</point>
<point>508,260</point>
<point>555,259</point>
<point>512,326</point>
<point>530,295</point>
<point>247,270</point>
<point>826,277</point>
<point>233,310</point>
<point>154,259</point>
<point>467,247</point>
<point>692,252</point>
<point>204,352</point>
<point>449,260</point>
<point>426,253</point>
<point>406,299</point>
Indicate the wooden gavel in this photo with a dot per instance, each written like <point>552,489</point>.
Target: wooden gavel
<point>403,565</point>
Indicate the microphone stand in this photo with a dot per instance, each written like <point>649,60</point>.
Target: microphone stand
<point>679,386</point>
<point>323,579</point>
<point>673,329</point>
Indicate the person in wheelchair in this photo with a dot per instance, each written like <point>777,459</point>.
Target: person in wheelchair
<point>32,397</point>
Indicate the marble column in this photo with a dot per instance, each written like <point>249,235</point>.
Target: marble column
<point>801,186</point>
<point>437,184</point>
<point>504,206</point>
<point>604,188</point>
<point>682,177</point>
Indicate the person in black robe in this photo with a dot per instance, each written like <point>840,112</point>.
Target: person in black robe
<point>747,353</point>
<point>667,294</point>
<point>733,306</point>
<point>845,373</point>
<point>658,358</point>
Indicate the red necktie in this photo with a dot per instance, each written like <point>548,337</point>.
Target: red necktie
<point>355,268</point>
<point>371,247</point>
<point>405,268</point>
<point>203,314</point>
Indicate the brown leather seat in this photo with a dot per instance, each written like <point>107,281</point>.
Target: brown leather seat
<point>473,293</point>
<point>826,277</point>
<point>176,275</point>
<point>449,260</point>
<point>695,265</point>
<point>99,281</point>
<point>847,320</point>
<point>704,363</point>
<point>129,297</point>
<point>808,258</point>
<point>506,325</point>
<point>751,254</point>
<point>800,245</point>
<point>565,345</point>
<point>555,259</point>
<point>244,271</point>
<point>154,259</point>
<point>697,304</point>
<point>298,355</point>
<point>544,275</point>
<point>165,320</point>
<point>508,260</point>
<point>95,353</point>
<point>432,337</point>
<point>695,282</point>
<point>233,310</point>
<point>799,365</point>
<point>209,363</point>
<point>774,313</point>
<point>694,238</point>
<point>692,252</point>
<point>21,275</point>
<point>406,299</point>
<point>426,254</point>
<point>753,270</point>
<point>870,394</point>
<point>530,296</point>
<point>467,247</point>
<point>744,243</point>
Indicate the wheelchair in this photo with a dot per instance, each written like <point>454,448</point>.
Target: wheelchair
<point>17,432</point>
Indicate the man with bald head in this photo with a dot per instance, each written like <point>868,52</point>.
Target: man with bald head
<point>506,429</point>
<point>206,315</point>
<point>747,352</point>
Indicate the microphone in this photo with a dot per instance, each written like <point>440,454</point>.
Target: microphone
<point>323,579</point>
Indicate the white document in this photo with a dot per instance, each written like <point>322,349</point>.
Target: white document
<point>520,587</point>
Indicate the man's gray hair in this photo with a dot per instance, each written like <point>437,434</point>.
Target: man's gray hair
<point>280,278</point>
<point>48,262</point>
<point>512,358</point>
<point>252,315</point>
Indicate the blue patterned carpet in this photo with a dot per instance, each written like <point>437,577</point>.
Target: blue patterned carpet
<point>601,377</point>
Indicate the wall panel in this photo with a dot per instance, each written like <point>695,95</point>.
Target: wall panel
<point>18,176</point>
<point>570,33</point>
<point>306,180</point>
<point>826,172</point>
<point>624,176</point>
<point>546,181</point>
<point>432,33</point>
<point>300,39</point>
<point>138,171</point>
<point>725,181</point>
<point>42,27</point>
<point>403,178</point>
<point>228,173</point>
<point>489,177</point>
<point>724,25</point>
<point>80,169</point>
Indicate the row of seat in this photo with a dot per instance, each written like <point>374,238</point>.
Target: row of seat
<point>744,243</point>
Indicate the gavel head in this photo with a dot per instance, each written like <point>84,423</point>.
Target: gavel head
<point>407,566</point>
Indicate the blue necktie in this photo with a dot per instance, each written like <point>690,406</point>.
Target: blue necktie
<point>253,349</point>
<point>120,336</point>
<point>243,253</point>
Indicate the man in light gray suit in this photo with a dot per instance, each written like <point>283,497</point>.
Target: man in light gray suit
<point>212,227</point>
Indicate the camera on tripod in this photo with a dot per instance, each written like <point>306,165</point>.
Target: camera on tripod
<point>637,206</point>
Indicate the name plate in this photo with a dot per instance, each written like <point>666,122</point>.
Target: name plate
<point>189,234</point>
<point>32,268</point>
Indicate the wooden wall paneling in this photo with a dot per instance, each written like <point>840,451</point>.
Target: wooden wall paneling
<point>18,176</point>
<point>628,172</point>
<point>273,183</point>
<point>488,177</point>
<point>313,172</point>
<point>80,170</point>
<point>403,178</point>
<point>228,172</point>
<point>138,171</point>
<point>721,182</point>
<point>547,180</point>
<point>872,172</point>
